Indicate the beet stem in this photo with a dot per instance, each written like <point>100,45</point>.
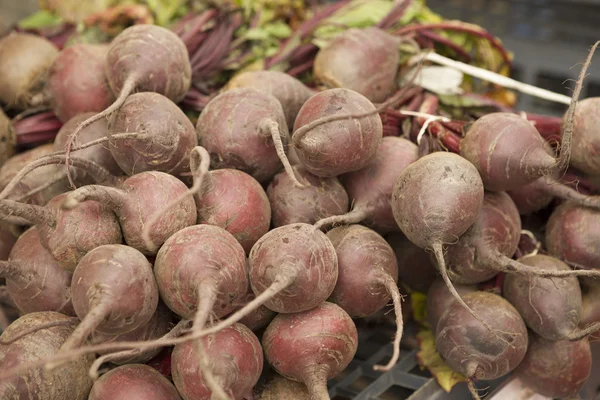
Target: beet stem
<point>562,191</point>
<point>127,88</point>
<point>392,288</point>
<point>47,325</point>
<point>88,324</point>
<point>567,137</point>
<point>353,217</point>
<point>207,294</point>
<point>109,196</point>
<point>439,255</point>
<point>509,265</point>
<point>199,165</point>
<point>271,128</point>
<point>579,334</point>
<point>316,382</point>
<point>36,214</point>
<point>57,178</point>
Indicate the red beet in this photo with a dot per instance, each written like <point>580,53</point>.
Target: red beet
<point>68,234</point>
<point>77,83</point>
<point>556,369</point>
<point>367,277</point>
<point>586,145</point>
<point>245,129</point>
<point>319,198</point>
<point>235,358</point>
<point>114,292</point>
<point>364,60</point>
<point>439,299</point>
<point>70,381</point>
<point>477,352</point>
<point>136,201</point>
<point>415,267</point>
<point>135,381</point>
<point>8,139</point>
<point>311,346</point>
<point>370,189</point>
<point>334,147</point>
<point>35,281</point>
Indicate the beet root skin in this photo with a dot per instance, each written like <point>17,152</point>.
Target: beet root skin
<point>585,149</point>
<point>337,147</point>
<point>371,188</point>
<point>120,277</point>
<point>469,348</point>
<point>229,128</point>
<point>304,253</point>
<point>170,135</point>
<point>42,285</point>
<point>451,194</point>
<point>439,300</point>
<point>572,235</point>
<point>364,261</point>
<point>97,130</point>
<point>491,145</point>
<point>311,346</point>
<point>415,267</point>
<point>557,369</point>
<point>77,83</point>
<point>290,92</point>
<point>549,307</point>
<point>67,242</point>
<point>8,139</point>
<point>496,230</point>
<point>320,198</point>
<point>278,388</point>
<point>26,59</point>
<point>199,254</point>
<point>259,318</point>
<point>133,381</point>
<point>165,70</point>
<point>7,241</point>
<point>364,60</point>
<point>236,359</point>
<point>70,381</point>
<point>236,202</point>
<point>531,197</point>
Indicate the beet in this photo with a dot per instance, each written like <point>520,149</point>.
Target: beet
<point>278,388</point>
<point>532,197</point>
<point>439,300</point>
<point>37,178</point>
<point>235,358</point>
<point>450,196</point>
<point>586,145</point>
<point>290,92</point>
<point>256,144</point>
<point>166,135</point>
<point>35,281</point>
<point>590,310</point>
<point>328,140</point>
<point>114,292</point>
<point>159,325</point>
<point>135,381</point>
<point>311,346</point>
<point>24,63</point>
<point>8,238</point>
<point>556,369</point>
<point>146,58</point>
<point>415,268</point>
<point>259,318</point>
<point>475,351</point>
<point>98,154</point>
<point>364,60</point>
<point>8,139</point>
<point>573,235</point>
<point>68,234</point>
<point>236,202</point>
<point>77,83</point>
<point>136,201</point>
<point>319,198</point>
<point>551,308</point>
<point>367,277</point>
<point>370,189</point>
<point>71,381</point>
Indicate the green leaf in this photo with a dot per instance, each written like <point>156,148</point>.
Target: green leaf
<point>256,34</point>
<point>40,19</point>
<point>278,29</point>
<point>357,14</point>
<point>164,10</point>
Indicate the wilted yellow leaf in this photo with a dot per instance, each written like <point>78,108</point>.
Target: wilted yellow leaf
<point>418,302</point>
<point>429,358</point>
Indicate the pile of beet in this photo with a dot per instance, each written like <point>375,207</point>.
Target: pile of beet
<point>243,249</point>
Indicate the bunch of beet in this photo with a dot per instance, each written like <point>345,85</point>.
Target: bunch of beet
<point>258,237</point>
